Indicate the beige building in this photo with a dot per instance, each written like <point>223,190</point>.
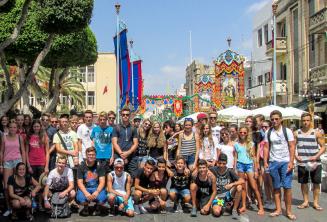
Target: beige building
<point>99,81</point>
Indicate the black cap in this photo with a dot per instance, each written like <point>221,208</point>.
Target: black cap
<point>222,157</point>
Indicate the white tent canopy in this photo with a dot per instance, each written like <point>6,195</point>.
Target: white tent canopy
<point>233,113</point>
<point>268,109</point>
<point>295,113</point>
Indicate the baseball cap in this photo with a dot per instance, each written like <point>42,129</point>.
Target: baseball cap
<point>222,157</point>
<point>202,116</point>
<point>119,161</point>
<point>137,117</point>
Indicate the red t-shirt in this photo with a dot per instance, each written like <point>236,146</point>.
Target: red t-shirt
<point>36,153</point>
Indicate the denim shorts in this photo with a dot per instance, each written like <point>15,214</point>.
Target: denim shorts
<point>119,200</point>
<point>11,164</point>
<point>101,198</point>
<point>244,168</point>
<point>280,176</point>
<point>183,193</point>
<point>189,159</point>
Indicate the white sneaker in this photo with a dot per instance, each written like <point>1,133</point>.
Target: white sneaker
<point>142,209</point>
<point>7,213</point>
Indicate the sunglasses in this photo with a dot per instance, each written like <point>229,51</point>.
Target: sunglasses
<point>213,117</point>
<point>54,121</point>
<point>147,124</point>
<point>225,134</point>
<point>124,114</point>
<point>112,118</point>
<point>243,133</point>
<point>265,126</point>
<point>119,168</point>
<point>272,119</point>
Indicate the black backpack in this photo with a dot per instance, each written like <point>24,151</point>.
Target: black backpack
<point>59,206</point>
<point>269,133</point>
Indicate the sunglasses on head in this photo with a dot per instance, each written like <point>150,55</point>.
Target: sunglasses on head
<point>189,119</point>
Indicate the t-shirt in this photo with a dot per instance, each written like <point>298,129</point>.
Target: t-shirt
<point>180,181</point>
<point>84,134</point>
<point>69,139</point>
<point>279,146</point>
<point>36,154</point>
<point>209,151</point>
<point>90,174</point>
<point>229,151</point>
<point>59,182</point>
<point>216,132</point>
<point>102,141</point>
<point>229,176</point>
<point>144,180</point>
<point>20,190</point>
<point>125,135</point>
<point>51,131</point>
<point>242,154</point>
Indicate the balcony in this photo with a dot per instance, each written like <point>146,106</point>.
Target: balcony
<point>318,22</point>
<point>319,76</point>
<point>281,46</point>
<point>266,90</point>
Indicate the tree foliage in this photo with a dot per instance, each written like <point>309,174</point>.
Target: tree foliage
<point>7,6</point>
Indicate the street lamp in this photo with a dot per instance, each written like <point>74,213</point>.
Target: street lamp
<point>249,101</point>
<point>274,11</point>
<point>117,6</point>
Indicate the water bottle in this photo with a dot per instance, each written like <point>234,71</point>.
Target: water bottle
<point>34,204</point>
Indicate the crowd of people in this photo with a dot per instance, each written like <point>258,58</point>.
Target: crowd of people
<point>92,165</point>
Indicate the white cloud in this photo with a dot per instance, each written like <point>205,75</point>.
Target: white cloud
<point>257,6</point>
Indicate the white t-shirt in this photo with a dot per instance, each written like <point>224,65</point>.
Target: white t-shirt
<point>229,151</point>
<point>207,151</point>
<point>216,132</point>
<point>279,150</point>
<point>84,134</point>
<point>55,179</point>
<point>69,139</point>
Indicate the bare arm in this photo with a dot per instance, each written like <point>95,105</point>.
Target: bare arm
<point>197,147</point>
<point>47,153</point>
<point>128,186</point>
<point>116,146</point>
<point>2,150</point>
<point>133,147</point>
<point>321,142</point>
<point>138,187</point>
<point>266,154</point>
<point>81,186</point>
<point>179,144</point>
<point>23,151</point>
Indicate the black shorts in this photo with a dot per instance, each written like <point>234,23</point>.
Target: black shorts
<point>315,175</point>
<point>202,199</point>
<point>37,171</point>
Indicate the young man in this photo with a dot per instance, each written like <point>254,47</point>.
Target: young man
<point>49,124</point>
<point>203,189</point>
<point>84,134</point>
<point>91,183</point>
<point>142,193</point>
<point>111,118</point>
<point>279,153</point>
<point>310,146</point>
<point>137,121</point>
<point>119,187</point>
<point>102,139</point>
<point>229,187</point>
<point>60,180</point>
<point>65,141</point>
<point>215,129</point>
<point>125,141</point>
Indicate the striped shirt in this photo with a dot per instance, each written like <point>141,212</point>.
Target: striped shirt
<point>307,146</point>
<point>188,147</point>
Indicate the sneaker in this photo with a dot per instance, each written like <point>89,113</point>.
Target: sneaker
<point>85,212</point>
<point>175,208</point>
<point>193,212</point>
<point>137,209</point>
<point>142,209</point>
<point>235,215</point>
<point>7,213</point>
<point>188,205</point>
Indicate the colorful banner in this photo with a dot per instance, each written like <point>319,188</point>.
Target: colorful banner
<point>124,66</point>
<point>178,107</point>
<point>136,92</point>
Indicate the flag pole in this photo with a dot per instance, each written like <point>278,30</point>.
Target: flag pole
<point>132,87</point>
<point>117,6</point>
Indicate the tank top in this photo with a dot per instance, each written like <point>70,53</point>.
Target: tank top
<point>119,183</point>
<point>307,146</point>
<point>12,149</point>
<point>36,153</point>
<point>160,183</point>
<point>188,147</point>
<point>204,187</point>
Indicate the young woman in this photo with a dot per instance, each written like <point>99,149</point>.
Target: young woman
<point>4,121</point>
<point>37,149</point>
<point>142,150</point>
<point>247,166</point>
<point>19,191</point>
<point>158,180</point>
<point>208,145</point>
<point>12,152</point>
<point>178,127</point>
<point>227,147</point>
<point>233,132</point>
<point>157,142</point>
<point>188,144</point>
<point>20,125</point>
<point>27,122</point>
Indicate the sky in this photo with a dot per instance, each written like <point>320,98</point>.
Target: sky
<point>160,30</point>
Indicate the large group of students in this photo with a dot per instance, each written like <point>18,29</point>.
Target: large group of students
<point>92,165</point>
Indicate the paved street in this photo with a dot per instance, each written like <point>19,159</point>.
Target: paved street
<point>302,215</point>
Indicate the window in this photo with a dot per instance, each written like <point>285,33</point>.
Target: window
<point>250,82</point>
<point>83,74</point>
<point>281,29</point>
<point>260,37</point>
<point>90,74</point>
<point>311,7</point>
<point>266,33</point>
<point>267,77</point>
<point>31,99</point>
<point>260,80</point>
<point>90,98</point>
<point>64,100</point>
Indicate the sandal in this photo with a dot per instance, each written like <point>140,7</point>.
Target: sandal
<point>303,206</point>
<point>318,208</point>
<point>274,214</point>
<point>291,217</point>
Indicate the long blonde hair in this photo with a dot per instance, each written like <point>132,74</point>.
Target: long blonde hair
<point>248,142</point>
<point>211,143</point>
<point>155,140</point>
<point>143,133</point>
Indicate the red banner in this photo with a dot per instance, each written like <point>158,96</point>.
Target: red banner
<point>178,107</point>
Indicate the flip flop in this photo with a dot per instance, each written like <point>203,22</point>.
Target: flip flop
<point>274,214</point>
<point>291,217</point>
<point>318,208</point>
<point>303,206</point>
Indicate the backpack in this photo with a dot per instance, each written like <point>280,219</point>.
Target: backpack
<point>59,206</point>
<point>284,132</point>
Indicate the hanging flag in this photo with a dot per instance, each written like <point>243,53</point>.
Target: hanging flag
<point>124,66</point>
<point>178,107</point>
<point>105,90</point>
<point>135,92</point>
